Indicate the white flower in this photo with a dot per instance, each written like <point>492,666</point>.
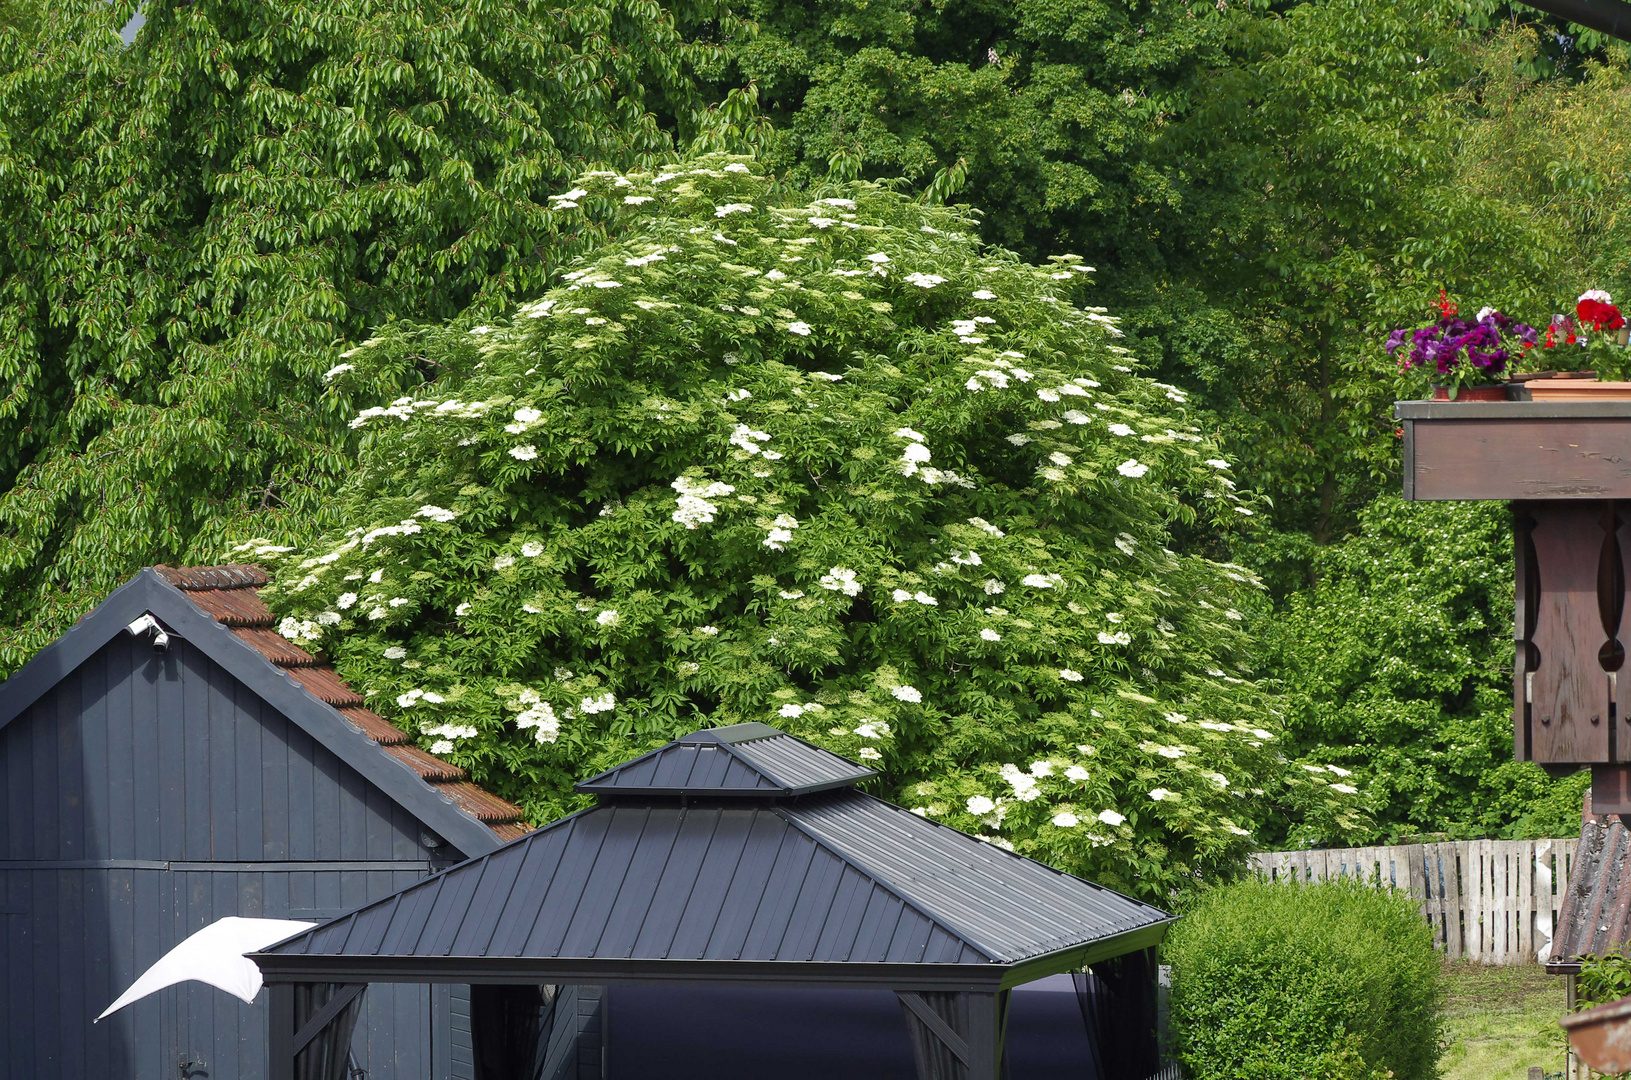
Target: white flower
<point>993,587</point>
<point>337,369</point>
<point>900,596</point>
<point>604,703</point>
<point>736,166</point>
<point>841,579</point>
<point>608,617</point>
<point>1217,463</point>
<point>1076,773</point>
<point>708,631</point>
<point>1037,581</point>
<point>979,805</point>
<point>575,193</point>
<point>983,294</point>
<point>1120,429</point>
<point>802,329</point>
<point>1594,294</point>
<point>1120,637</point>
<point>925,281</point>
<point>395,652</point>
<point>1339,771</point>
<point>732,208</point>
<point>692,507</point>
<point>1125,544</point>
<point>915,452</point>
<point>463,609</point>
<point>503,562</point>
<point>842,204</point>
<point>907,693</point>
<point>1070,675</point>
<point>329,618</point>
<point>925,598</point>
<point>1132,468</point>
<point>345,600</point>
<point>777,540</point>
<point>1110,817</point>
<point>398,601</point>
<point>1161,794</point>
<point>989,634</point>
<point>524,453</point>
<point>873,729</point>
<point>1238,831</point>
<point>435,513</point>
<point>1172,752</point>
<point>1066,820</point>
<point>791,710</point>
<point>1041,768</point>
<point>1217,778</point>
<point>867,753</point>
<point>443,746</point>
<point>791,594</point>
<point>1261,734</point>
<point>637,200</point>
<point>1114,616</point>
<point>877,257</point>
<point>1059,459</point>
<point>406,701</point>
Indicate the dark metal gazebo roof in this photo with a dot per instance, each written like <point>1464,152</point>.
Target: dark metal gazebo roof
<point>677,875</point>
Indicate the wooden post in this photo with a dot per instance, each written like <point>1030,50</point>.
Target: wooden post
<point>280,1032</point>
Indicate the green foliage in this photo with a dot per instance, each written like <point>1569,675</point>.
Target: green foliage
<point>1045,112</point>
<point>1603,979</point>
<point>1277,981</point>
<point>192,221</point>
<point>828,464</point>
<point>1397,665</point>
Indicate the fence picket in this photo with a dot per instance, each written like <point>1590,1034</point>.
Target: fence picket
<point>1492,901</point>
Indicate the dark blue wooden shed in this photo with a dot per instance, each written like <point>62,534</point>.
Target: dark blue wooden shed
<point>146,792</point>
<point>736,858</point>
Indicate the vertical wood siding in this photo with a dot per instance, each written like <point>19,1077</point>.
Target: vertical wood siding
<point>1489,901</point>
<point>144,797</point>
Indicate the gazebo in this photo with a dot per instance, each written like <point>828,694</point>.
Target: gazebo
<point>737,856</point>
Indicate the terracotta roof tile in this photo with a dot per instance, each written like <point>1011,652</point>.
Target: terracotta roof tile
<point>375,726</point>
<point>228,594</point>
<point>323,684</point>
<point>233,607</point>
<point>428,766</point>
<point>275,647</point>
<point>225,576</point>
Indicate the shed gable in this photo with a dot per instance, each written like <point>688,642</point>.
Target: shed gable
<point>167,757</point>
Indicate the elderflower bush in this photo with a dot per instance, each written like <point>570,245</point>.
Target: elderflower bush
<point>828,463</point>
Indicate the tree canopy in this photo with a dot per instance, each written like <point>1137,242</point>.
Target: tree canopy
<point>194,219</point>
<point>828,463</point>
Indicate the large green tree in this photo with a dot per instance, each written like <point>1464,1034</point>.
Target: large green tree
<point>192,221</point>
<point>832,464</point>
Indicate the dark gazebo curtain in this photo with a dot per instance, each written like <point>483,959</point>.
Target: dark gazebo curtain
<point>509,1030</point>
<point>327,1055</point>
<point>1118,1000</point>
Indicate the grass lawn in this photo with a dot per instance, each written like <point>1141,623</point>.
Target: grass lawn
<point>1502,1020</point>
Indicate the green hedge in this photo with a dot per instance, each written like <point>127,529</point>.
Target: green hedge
<point>1329,981</point>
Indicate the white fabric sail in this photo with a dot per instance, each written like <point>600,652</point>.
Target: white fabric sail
<point>214,955</point>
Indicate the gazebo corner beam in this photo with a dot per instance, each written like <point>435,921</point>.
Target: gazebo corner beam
<point>1611,17</point>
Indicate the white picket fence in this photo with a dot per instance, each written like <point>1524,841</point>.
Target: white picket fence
<point>1489,901</point>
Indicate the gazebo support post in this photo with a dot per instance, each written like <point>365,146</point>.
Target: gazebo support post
<point>325,1031</point>
<point>956,1036</point>
<point>280,1032</point>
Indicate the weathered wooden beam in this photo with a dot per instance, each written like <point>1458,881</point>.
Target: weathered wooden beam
<point>1514,450</point>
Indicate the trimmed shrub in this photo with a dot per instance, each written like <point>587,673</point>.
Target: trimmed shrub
<point>1331,980</point>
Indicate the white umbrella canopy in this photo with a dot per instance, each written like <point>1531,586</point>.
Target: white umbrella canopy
<point>214,955</point>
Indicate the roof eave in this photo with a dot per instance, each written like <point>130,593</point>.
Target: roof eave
<point>287,967</point>
<point>149,592</point>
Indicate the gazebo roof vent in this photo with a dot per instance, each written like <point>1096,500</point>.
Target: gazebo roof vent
<point>742,760</point>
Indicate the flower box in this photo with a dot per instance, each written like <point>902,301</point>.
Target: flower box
<point>1576,390</point>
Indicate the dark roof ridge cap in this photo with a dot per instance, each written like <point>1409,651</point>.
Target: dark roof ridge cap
<point>884,882</point>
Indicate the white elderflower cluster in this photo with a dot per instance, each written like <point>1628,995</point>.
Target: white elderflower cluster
<point>841,579</point>
<point>300,629</point>
<point>781,532</point>
<point>604,703</point>
<point>693,507</point>
<point>745,438</point>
